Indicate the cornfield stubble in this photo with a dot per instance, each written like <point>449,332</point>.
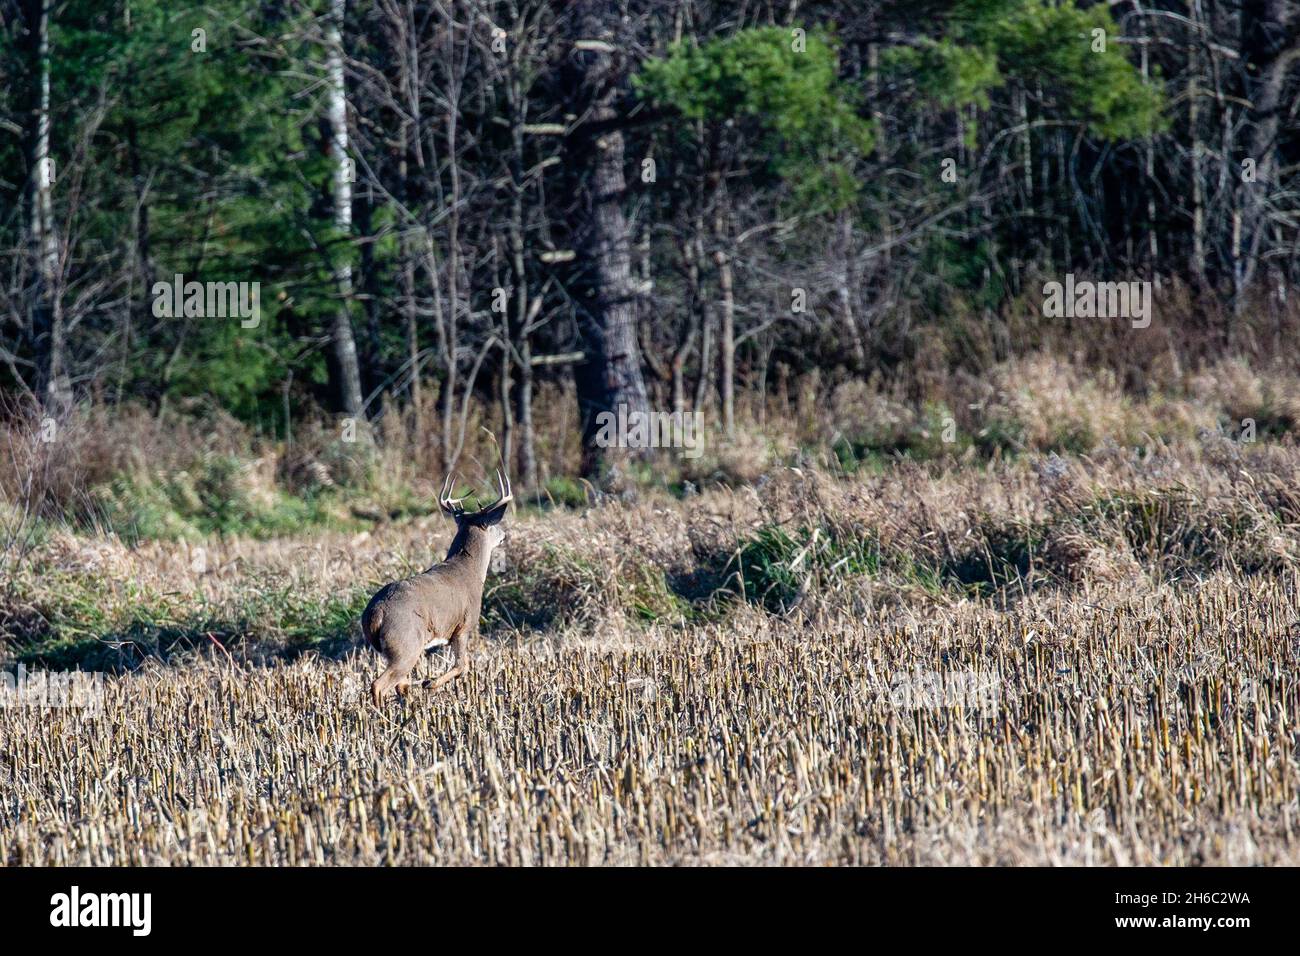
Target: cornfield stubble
<point>1083,658</point>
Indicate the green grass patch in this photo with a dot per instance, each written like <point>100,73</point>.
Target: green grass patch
<point>773,566</point>
<point>1174,531</point>
<point>1004,554</point>
<point>91,625</point>
<point>214,499</point>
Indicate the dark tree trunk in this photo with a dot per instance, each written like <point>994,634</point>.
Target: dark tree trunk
<point>610,374</point>
<point>1270,46</point>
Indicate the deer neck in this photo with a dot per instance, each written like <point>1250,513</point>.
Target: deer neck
<point>469,549</point>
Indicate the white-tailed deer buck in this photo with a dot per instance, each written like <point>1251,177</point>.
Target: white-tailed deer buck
<point>441,605</point>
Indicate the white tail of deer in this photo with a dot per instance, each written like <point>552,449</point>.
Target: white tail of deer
<point>441,605</point>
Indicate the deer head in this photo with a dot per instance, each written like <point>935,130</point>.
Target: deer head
<point>477,532</point>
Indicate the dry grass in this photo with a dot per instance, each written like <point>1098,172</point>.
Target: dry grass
<point>1075,654</point>
<point>1157,730</point>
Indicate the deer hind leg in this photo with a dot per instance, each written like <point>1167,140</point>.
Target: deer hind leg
<point>460,648</point>
<point>395,676</point>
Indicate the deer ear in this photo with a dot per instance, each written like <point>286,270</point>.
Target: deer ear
<point>495,515</point>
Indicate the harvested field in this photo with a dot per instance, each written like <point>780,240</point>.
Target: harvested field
<point>1077,665</point>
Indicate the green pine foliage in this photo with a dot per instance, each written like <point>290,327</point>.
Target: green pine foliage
<point>786,86</point>
<point>1062,48</point>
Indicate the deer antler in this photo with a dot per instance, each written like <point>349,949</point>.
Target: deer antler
<point>506,495</point>
<point>453,507</point>
<point>446,502</point>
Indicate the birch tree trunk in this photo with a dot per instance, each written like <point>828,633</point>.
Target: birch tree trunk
<point>344,367</point>
<point>46,324</point>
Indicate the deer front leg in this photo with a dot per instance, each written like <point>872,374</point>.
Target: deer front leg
<point>460,648</point>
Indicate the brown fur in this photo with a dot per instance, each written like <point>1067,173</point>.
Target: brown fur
<point>439,606</point>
